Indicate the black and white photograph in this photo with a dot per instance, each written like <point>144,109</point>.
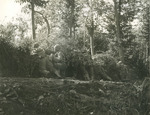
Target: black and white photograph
<point>74,57</point>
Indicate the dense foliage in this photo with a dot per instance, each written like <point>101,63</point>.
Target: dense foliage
<point>81,27</point>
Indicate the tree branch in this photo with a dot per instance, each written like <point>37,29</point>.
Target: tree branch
<point>46,20</point>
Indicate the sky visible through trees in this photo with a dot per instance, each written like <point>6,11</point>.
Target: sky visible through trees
<point>10,9</point>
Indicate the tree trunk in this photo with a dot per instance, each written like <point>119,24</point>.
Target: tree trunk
<point>33,24</point>
<point>92,38</point>
<point>118,29</point>
<point>74,32</point>
<point>84,37</point>
<point>72,28</point>
<point>91,29</point>
<point>148,38</point>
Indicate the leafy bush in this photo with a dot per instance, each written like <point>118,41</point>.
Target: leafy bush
<point>78,63</point>
<point>107,67</point>
<point>101,42</point>
<point>17,61</point>
<point>136,59</point>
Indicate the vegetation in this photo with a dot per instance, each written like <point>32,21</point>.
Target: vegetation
<point>68,97</point>
<point>97,28</point>
<point>100,40</point>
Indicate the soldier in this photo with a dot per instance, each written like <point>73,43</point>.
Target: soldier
<point>46,66</point>
<point>59,60</point>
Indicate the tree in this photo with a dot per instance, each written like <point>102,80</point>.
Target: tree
<point>117,7</point>
<point>145,34</point>
<point>90,20</point>
<point>71,18</point>
<point>91,28</point>
<point>32,15</point>
<point>33,3</point>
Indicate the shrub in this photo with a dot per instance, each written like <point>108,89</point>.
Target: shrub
<point>17,61</point>
<point>78,63</point>
<point>107,67</point>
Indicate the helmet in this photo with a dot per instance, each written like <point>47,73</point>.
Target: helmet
<point>36,45</point>
<point>57,47</point>
<point>40,52</point>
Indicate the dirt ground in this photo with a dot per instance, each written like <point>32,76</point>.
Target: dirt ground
<point>41,96</point>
